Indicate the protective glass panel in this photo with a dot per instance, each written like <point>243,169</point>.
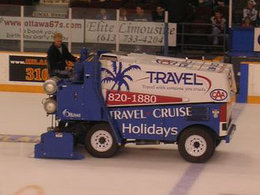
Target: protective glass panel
<point>10,25</point>
<point>141,31</point>
<point>40,24</point>
<point>97,32</point>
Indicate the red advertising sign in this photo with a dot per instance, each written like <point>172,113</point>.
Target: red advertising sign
<point>123,98</point>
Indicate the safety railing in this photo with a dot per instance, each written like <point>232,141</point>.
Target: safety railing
<point>204,37</point>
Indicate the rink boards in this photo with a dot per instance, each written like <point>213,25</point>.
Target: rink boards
<point>249,83</point>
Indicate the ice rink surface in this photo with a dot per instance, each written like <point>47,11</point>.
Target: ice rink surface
<point>233,170</point>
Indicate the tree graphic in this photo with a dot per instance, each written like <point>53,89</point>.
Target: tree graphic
<point>118,75</point>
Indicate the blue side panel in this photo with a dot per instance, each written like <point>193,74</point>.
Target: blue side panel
<point>70,101</point>
<point>163,122</point>
<point>81,101</point>
<point>242,39</point>
<point>243,87</point>
<point>92,100</point>
<point>244,53</point>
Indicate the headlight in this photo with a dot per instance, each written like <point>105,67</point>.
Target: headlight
<point>50,85</point>
<point>50,105</point>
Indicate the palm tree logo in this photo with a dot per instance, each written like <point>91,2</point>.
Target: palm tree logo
<point>119,75</point>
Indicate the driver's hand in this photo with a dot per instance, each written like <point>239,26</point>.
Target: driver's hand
<point>69,68</point>
<point>69,63</point>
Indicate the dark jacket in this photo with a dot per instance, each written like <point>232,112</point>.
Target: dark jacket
<point>56,60</point>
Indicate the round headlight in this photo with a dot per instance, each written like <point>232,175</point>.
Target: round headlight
<point>50,105</point>
<point>50,86</point>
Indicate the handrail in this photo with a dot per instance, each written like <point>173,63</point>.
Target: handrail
<point>206,35</point>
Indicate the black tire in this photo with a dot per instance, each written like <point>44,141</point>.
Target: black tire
<point>196,145</point>
<point>100,141</point>
<point>218,141</point>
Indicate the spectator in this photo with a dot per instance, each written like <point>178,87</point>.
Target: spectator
<point>250,11</point>
<point>222,6</point>
<point>191,10</point>
<point>176,9</point>
<point>158,15</point>
<point>58,57</point>
<point>247,23</point>
<point>140,15</point>
<point>218,25</point>
<point>203,12</point>
<point>103,15</point>
<point>123,14</point>
<point>219,3</point>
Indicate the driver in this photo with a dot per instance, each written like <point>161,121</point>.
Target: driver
<point>60,60</point>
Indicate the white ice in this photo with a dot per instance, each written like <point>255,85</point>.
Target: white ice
<point>233,170</point>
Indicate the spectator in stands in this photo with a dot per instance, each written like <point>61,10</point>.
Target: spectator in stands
<point>140,15</point>
<point>191,10</point>
<point>219,3</point>
<point>222,6</point>
<point>58,54</point>
<point>218,25</point>
<point>103,15</point>
<point>176,9</point>
<point>123,14</point>
<point>247,23</point>
<point>250,11</point>
<point>203,12</point>
<point>158,15</point>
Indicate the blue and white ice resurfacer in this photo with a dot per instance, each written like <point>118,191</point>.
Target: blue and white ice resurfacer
<point>113,99</point>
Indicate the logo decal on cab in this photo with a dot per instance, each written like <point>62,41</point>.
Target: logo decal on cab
<point>219,95</point>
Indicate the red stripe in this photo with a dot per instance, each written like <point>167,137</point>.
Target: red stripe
<point>223,113</point>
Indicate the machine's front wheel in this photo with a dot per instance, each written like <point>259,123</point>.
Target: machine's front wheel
<point>196,145</point>
<point>100,141</point>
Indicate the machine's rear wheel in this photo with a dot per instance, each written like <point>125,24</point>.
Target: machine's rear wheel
<point>196,145</point>
<point>100,141</point>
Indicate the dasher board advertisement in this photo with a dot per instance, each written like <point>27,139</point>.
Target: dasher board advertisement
<point>257,39</point>
<point>40,29</point>
<point>96,31</point>
<point>130,32</point>
<point>125,83</point>
<point>27,68</point>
